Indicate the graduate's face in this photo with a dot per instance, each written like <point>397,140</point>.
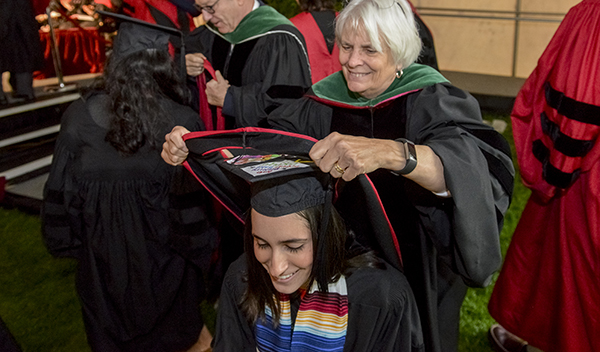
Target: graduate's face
<point>225,15</point>
<point>368,72</point>
<point>284,246</point>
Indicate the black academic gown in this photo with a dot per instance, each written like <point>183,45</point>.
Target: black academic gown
<point>19,38</point>
<point>124,218</point>
<point>382,315</point>
<point>264,71</point>
<point>446,243</point>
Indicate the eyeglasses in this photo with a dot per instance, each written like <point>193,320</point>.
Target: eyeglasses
<point>209,9</point>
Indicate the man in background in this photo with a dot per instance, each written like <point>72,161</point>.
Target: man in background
<point>259,57</point>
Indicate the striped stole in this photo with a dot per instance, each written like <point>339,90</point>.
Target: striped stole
<point>320,324</point>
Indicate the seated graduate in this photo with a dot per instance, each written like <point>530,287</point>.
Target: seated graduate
<point>299,287</point>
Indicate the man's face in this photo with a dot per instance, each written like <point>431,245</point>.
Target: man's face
<point>225,15</point>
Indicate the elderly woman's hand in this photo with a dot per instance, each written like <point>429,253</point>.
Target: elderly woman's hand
<point>174,149</point>
<point>194,64</point>
<point>348,156</point>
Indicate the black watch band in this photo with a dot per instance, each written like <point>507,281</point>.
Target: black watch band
<point>411,156</point>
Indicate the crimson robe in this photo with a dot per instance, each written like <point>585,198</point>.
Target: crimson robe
<point>548,290</point>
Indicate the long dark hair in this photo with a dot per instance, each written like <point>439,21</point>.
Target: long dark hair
<point>136,84</point>
<point>335,253</point>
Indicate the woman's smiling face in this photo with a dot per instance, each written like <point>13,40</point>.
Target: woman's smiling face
<point>284,246</point>
<point>368,72</point>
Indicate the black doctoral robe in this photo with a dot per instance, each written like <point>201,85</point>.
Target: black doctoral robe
<point>446,243</point>
<point>124,218</point>
<point>264,60</point>
<point>19,38</point>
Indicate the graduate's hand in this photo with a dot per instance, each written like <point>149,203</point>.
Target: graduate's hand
<point>194,64</point>
<point>348,156</point>
<point>216,90</point>
<point>174,149</point>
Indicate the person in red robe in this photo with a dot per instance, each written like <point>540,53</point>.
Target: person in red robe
<point>166,13</point>
<point>548,291</point>
<point>316,23</point>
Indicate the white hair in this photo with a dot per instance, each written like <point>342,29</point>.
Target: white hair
<point>389,20</point>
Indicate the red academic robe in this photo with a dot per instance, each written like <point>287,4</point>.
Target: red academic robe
<point>143,10</point>
<point>322,63</point>
<point>548,291</point>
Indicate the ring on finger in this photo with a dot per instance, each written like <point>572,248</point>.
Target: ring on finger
<point>337,168</point>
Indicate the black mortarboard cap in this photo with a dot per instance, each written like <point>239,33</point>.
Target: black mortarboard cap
<point>271,171</point>
<point>289,194</point>
<point>135,35</point>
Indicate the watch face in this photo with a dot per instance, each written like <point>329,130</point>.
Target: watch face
<point>411,157</point>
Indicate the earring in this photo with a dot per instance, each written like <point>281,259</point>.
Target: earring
<point>399,74</point>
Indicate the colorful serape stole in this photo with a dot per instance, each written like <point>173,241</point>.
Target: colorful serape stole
<point>320,324</point>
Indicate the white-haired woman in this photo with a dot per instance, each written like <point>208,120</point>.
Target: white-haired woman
<point>444,177</point>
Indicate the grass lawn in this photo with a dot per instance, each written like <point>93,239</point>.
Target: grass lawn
<point>37,292</point>
<point>39,304</point>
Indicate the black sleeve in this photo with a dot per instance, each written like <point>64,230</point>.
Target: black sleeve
<point>382,313</point>
<point>60,220</point>
<point>193,231</point>
<point>198,41</point>
<point>281,75</point>
<point>233,332</point>
<point>442,117</point>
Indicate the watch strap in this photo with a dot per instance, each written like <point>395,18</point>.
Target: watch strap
<point>410,153</point>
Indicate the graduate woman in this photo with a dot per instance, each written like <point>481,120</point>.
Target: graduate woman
<point>301,288</point>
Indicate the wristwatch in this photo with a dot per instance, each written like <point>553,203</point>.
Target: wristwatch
<point>411,156</point>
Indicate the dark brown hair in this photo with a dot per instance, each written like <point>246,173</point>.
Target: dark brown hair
<point>135,85</point>
<point>332,257</point>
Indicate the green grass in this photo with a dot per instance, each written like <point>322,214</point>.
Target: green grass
<point>37,292</point>
<point>39,304</point>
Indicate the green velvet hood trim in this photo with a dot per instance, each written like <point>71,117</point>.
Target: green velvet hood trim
<point>256,23</point>
<point>414,77</point>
